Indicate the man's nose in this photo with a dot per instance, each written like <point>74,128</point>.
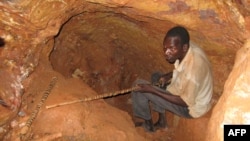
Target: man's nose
<point>167,52</point>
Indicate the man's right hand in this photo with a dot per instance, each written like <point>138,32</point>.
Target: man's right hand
<point>165,79</point>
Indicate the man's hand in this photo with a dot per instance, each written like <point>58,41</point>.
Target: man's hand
<point>165,79</point>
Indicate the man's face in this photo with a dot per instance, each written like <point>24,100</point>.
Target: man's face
<point>172,49</point>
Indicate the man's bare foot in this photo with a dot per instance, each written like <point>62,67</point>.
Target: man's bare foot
<point>147,125</point>
<point>161,123</point>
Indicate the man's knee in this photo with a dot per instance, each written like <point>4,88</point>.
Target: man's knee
<point>140,81</point>
<point>155,77</point>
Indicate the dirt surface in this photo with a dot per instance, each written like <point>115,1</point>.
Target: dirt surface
<point>93,120</point>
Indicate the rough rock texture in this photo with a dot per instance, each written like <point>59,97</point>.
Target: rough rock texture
<point>98,46</point>
<point>234,103</point>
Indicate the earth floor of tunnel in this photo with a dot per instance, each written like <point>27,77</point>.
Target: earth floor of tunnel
<point>122,102</point>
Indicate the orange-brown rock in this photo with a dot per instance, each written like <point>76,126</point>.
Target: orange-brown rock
<point>99,46</point>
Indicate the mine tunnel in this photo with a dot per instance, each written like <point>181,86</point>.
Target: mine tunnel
<point>107,56</point>
<point>98,47</point>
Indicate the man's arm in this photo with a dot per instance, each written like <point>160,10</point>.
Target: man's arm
<point>165,95</point>
<point>171,98</point>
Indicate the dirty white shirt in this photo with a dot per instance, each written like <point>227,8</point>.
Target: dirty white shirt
<point>193,81</point>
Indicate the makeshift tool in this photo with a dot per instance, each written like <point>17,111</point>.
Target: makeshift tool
<point>124,91</point>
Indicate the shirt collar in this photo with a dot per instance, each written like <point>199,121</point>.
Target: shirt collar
<point>179,65</point>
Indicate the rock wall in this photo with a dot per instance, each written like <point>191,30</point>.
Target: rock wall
<point>233,106</point>
<point>29,28</point>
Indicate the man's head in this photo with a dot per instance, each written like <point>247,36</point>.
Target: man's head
<point>176,44</point>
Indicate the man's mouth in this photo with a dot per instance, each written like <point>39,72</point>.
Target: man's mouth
<point>168,57</point>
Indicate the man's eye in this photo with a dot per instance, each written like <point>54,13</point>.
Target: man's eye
<point>172,48</point>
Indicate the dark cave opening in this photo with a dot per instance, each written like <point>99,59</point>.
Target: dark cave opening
<point>108,52</point>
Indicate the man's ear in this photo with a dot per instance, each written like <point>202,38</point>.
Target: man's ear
<point>185,47</point>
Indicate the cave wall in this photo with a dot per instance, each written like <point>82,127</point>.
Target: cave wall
<point>233,106</point>
<point>27,26</point>
<point>120,42</point>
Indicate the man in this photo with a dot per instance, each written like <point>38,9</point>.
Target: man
<point>191,87</point>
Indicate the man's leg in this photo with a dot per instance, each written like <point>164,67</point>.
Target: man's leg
<point>160,105</point>
<point>141,107</point>
<point>161,122</point>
